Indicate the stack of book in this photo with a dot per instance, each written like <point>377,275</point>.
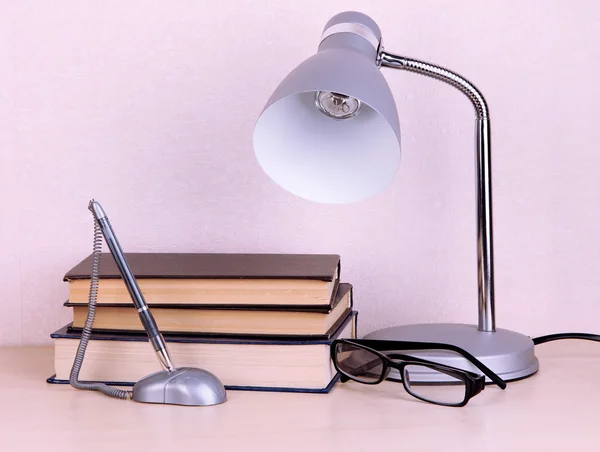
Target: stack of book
<point>257,321</point>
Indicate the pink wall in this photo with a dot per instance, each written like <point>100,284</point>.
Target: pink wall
<point>149,108</point>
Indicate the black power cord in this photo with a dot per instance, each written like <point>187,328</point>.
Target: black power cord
<point>559,336</point>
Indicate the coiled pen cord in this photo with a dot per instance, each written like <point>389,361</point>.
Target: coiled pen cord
<point>87,329</point>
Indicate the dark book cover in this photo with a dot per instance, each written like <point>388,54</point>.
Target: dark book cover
<point>323,267</point>
<point>339,292</point>
<point>351,317</point>
<point>67,332</point>
<point>324,390</point>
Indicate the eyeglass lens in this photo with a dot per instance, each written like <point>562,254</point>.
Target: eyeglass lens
<point>365,366</point>
<point>452,392</point>
<point>359,364</point>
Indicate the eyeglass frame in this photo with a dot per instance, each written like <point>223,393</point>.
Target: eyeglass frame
<point>474,383</point>
<point>383,345</point>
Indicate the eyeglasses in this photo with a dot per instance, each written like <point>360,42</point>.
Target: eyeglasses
<point>362,360</point>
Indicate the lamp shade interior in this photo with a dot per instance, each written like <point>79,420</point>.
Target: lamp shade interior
<point>323,159</point>
<point>330,131</point>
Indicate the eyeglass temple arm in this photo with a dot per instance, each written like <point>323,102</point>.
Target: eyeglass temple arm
<point>485,257</point>
<point>408,359</point>
<point>400,345</point>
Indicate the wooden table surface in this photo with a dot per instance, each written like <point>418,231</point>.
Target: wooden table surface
<point>556,409</point>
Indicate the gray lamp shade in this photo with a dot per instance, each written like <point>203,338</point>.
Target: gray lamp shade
<point>320,158</point>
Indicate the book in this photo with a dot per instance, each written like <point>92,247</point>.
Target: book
<point>198,279</point>
<point>299,365</point>
<point>232,321</point>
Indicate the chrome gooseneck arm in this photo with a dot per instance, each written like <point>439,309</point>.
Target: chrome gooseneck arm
<point>485,258</point>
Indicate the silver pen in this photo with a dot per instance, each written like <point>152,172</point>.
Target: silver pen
<point>146,317</point>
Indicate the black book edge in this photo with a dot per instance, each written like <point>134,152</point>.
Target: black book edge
<point>339,289</point>
<point>67,333</point>
<point>321,308</point>
<point>324,390</point>
<point>274,336</point>
<point>70,276</point>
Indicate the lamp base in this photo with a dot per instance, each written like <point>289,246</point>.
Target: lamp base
<point>508,354</point>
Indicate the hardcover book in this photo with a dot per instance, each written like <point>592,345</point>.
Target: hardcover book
<point>297,365</point>
<point>214,279</point>
<point>232,321</point>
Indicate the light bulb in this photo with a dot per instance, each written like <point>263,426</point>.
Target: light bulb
<point>337,106</point>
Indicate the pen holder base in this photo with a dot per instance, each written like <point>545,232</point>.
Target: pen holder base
<point>183,386</point>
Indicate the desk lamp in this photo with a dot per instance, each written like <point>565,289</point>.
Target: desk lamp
<point>330,133</point>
